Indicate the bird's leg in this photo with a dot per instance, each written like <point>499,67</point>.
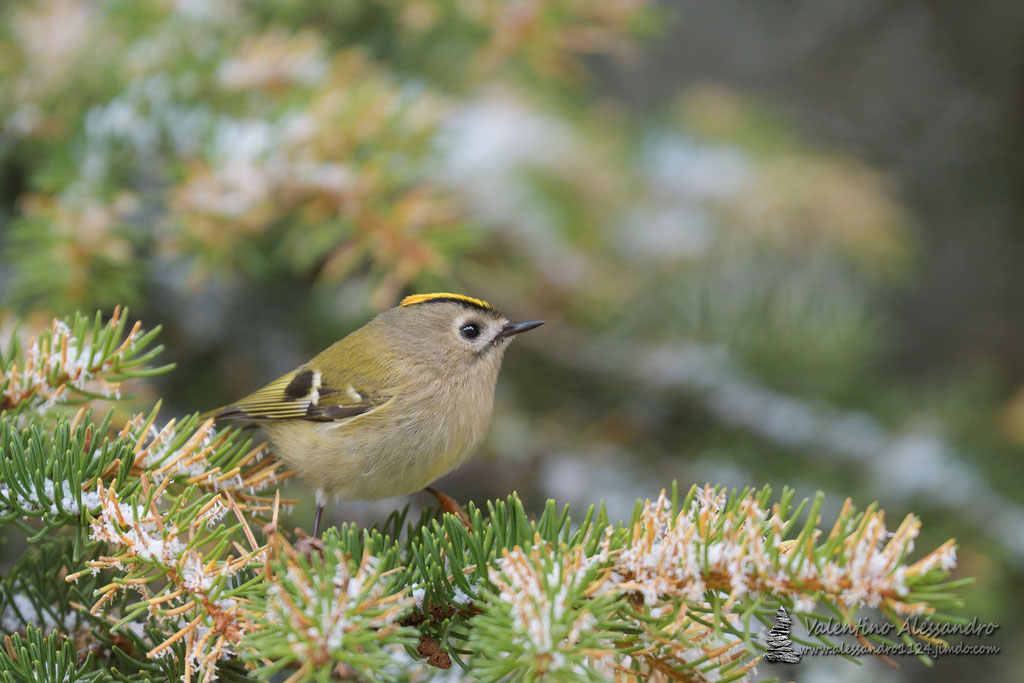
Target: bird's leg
<point>321,500</point>
<point>307,544</point>
<point>316,520</point>
<point>449,504</point>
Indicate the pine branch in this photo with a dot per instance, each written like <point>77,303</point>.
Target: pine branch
<point>74,362</point>
<point>173,564</point>
<point>38,657</point>
<point>329,611</point>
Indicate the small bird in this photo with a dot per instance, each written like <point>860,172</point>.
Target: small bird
<point>391,407</point>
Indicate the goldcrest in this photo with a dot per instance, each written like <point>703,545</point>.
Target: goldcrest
<point>391,407</point>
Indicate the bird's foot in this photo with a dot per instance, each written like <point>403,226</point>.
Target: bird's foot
<point>307,545</point>
<point>450,505</point>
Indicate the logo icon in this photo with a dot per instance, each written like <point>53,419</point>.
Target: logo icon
<point>780,649</point>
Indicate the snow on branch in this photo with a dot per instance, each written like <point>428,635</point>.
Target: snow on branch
<point>73,362</point>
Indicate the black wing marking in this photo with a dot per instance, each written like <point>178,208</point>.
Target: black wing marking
<point>301,395</point>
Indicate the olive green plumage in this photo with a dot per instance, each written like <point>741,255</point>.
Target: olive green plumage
<point>394,405</point>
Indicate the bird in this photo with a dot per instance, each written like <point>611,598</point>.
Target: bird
<point>391,407</point>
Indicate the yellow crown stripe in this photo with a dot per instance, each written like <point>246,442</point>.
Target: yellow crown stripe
<point>449,296</point>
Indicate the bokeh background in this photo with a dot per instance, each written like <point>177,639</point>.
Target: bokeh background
<point>775,242</point>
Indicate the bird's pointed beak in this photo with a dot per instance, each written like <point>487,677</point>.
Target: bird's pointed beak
<point>512,329</point>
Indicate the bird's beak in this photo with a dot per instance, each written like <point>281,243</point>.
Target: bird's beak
<point>512,329</point>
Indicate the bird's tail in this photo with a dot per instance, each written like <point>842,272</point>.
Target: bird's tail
<point>216,414</point>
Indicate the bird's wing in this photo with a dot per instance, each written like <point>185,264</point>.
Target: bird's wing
<point>305,394</point>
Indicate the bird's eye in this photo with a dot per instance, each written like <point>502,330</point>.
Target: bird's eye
<point>470,331</point>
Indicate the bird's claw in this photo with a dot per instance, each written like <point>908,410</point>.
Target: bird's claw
<point>306,545</point>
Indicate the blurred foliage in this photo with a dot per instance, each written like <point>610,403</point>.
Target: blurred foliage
<point>261,177</point>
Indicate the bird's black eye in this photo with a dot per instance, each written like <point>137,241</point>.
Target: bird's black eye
<point>470,331</point>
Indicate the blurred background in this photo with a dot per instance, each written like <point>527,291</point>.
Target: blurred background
<point>775,243</point>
